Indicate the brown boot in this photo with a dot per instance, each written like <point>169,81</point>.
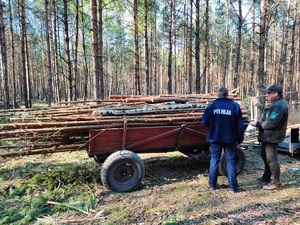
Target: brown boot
<point>272,186</point>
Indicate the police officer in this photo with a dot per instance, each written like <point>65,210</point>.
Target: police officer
<point>225,130</point>
<point>272,130</point>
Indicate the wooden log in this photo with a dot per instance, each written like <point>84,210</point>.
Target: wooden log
<point>157,100</point>
<point>148,109</point>
<point>57,128</point>
<point>85,120</point>
<point>71,148</point>
<point>123,97</point>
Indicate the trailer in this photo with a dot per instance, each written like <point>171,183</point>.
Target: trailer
<point>118,148</point>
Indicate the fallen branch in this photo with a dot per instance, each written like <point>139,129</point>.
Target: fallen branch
<point>83,221</point>
<point>68,206</point>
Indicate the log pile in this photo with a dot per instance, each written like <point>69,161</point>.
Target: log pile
<point>66,127</point>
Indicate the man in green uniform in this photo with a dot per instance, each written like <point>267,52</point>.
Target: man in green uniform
<point>272,130</point>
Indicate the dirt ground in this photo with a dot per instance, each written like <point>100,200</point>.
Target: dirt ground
<point>174,191</point>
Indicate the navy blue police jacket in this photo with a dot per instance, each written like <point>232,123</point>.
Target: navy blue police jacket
<point>224,120</point>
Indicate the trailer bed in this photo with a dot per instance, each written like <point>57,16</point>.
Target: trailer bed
<point>146,139</point>
<point>117,148</point>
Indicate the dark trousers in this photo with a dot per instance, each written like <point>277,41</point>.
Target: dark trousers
<point>215,155</point>
<point>269,155</point>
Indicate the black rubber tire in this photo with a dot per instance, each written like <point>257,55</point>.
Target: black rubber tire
<point>122,171</point>
<point>240,162</point>
<point>100,159</point>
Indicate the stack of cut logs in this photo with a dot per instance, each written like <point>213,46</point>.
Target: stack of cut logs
<point>66,128</point>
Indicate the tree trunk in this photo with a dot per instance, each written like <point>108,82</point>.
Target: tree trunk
<point>262,33</point>
<point>55,35</point>
<point>100,50</point>
<point>28,68</point>
<point>147,74</point>
<point>136,49</point>
<point>13,57</point>
<point>4,80</point>
<point>297,76</point>
<point>175,77</point>
<point>226,56</point>
<point>95,41</point>
<point>85,69</point>
<point>238,45</point>
<point>170,48</point>
<point>205,76</point>
<point>67,52</point>
<point>155,86</point>
<point>75,77</point>
<point>267,75</point>
<point>252,79</point>
<point>197,47</point>
<point>49,61</point>
<point>151,50</point>
<point>282,70</point>
<point>190,63</point>
<point>23,54</point>
<point>291,84</point>
<point>275,51</point>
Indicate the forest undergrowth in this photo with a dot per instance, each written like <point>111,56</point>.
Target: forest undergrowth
<point>65,188</point>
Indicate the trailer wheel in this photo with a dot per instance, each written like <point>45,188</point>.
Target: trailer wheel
<point>240,161</point>
<point>100,158</point>
<point>122,171</point>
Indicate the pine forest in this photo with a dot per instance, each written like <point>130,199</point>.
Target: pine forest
<point>69,50</point>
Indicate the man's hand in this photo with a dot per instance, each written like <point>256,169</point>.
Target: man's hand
<point>254,101</point>
<point>255,124</point>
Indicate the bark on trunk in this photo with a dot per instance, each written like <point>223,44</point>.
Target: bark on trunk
<point>4,75</point>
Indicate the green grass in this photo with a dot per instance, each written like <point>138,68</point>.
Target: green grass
<point>26,197</point>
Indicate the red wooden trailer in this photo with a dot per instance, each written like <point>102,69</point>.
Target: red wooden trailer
<point>117,148</point>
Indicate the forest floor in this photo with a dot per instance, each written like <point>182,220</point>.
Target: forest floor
<point>65,188</point>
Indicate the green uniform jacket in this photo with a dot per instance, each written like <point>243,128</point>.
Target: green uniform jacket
<point>272,127</point>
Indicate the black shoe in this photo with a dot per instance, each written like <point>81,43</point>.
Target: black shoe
<point>234,190</point>
<point>212,188</point>
<point>237,190</point>
<point>264,179</point>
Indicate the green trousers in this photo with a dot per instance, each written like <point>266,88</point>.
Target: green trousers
<point>269,154</point>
